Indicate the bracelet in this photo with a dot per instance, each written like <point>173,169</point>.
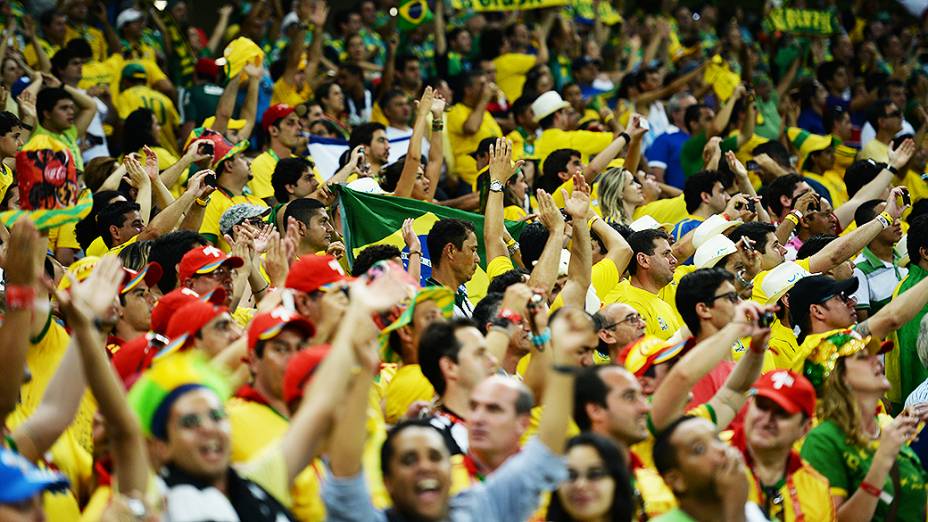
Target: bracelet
<point>513,248</point>
<point>414,253</point>
<point>870,489</point>
<point>885,219</point>
<point>202,202</point>
<point>542,338</point>
<point>628,139</point>
<point>589,222</point>
<point>510,315</point>
<point>438,125</point>
<point>792,219</point>
<point>511,242</point>
<point>19,297</point>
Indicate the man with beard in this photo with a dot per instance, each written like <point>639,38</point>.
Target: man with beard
<point>317,235</point>
<point>373,136</point>
<point>779,415</point>
<point>232,175</point>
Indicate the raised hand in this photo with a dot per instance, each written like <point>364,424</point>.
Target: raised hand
<point>94,297</point>
<point>193,151</point>
<point>319,14</point>
<point>336,249</point>
<point>19,266</point>
<point>893,206</point>
<point>410,238</point>
<point>501,167</point>
<point>578,204</point>
<point>438,105</point>
<point>384,292</point>
<point>137,175</point>
<point>901,155</point>
<point>151,163</point>
<point>548,213</point>
<point>276,262</point>
<point>571,331</point>
<point>735,164</point>
<point>424,104</point>
<point>253,70</point>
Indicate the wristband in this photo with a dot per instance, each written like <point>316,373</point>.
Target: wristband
<point>589,223</point>
<point>628,139</point>
<point>19,297</point>
<point>892,169</point>
<point>542,338</point>
<point>513,248</point>
<point>726,216</point>
<point>509,315</point>
<point>885,219</point>
<point>414,253</point>
<point>870,489</point>
<point>438,125</point>
<point>202,202</point>
<point>792,219</point>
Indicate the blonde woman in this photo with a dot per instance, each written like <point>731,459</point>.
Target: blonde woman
<point>619,195</point>
<point>874,474</point>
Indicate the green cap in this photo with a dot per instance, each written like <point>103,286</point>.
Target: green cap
<point>134,71</point>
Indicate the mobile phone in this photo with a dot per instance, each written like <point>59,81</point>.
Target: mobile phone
<point>752,206</point>
<point>210,180</point>
<point>752,165</point>
<point>906,198</point>
<point>766,319</point>
<point>206,149</point>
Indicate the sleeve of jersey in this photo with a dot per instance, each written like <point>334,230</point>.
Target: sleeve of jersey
<point>605,276</point>
<point>269,470</point>
<point>658,154</point>
<point>211,217</point>
<point>822,452</point>
<point>498,266</point>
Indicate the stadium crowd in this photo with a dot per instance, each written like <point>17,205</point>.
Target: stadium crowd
<point>410,260</point>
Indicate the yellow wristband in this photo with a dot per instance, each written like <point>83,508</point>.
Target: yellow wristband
<point>589,223</point>
<point>792,219</point>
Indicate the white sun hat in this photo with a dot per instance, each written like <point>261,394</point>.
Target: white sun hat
<point>713,250</point>
<point>781,279</point>
<point>547,104</point>
<point>714,225</point>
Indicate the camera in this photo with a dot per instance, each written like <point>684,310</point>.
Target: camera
<point>906,198</point>
<point>766,319</point>
<point>206,149</point>
<point>210,180</point>
<point>752,206</point>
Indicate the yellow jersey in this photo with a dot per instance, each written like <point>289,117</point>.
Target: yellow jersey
<point>661,319</point>
<point>510,72</point>
<point>93,36</point>
<point>587,143</point>
<point>464,144</point>
<point>219,202</point>
<point>142,96</point>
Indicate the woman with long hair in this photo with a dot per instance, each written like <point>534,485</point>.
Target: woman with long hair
<point>141,128</point>
<point>331,98</point>
<point>598,487</point>
<point>865,455</point>
<point>619,195</point>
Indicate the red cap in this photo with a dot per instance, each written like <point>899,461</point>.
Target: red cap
<point>312,272</point>
<point>275,113</point>
<point>191,317</point>
<point>203,260</point>
<point>172,301</point>
<point>207,66</point>
<point>135,356</point>
<point>792,391</point>
<point>300,369</point>
<point>151,274</point>
<point>268,325</point>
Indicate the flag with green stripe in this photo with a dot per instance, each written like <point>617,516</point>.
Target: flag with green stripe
<point>370,219</point>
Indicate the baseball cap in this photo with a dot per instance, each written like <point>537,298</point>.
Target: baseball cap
<point>793,392</point>
<point>233,124</point>
<point>713,226</point>
<point>268,325</point>
<point>275,113</point>
<point>188,320</point>
<point>174,300</point>
<point>237,214</point>
<point>206,67</point>
<point>136,355</point>
<point>22,480</point>
<point>134,71</point>
<point>649,351</point>
<point>151,274</point>
<point>712,251</point>
<point>649,223</point>
<point>300,369</point>
<point>311,273</point>
<point>128,16</point>
<point>815,289</point>
<point>484,146</point>
<point>203,260</point>
<point>781,279</point>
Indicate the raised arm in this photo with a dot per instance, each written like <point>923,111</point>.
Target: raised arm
<point>220,30</point>
<point>139,179</point>
<point>250,108</point>
<point>169,218</point>
<point>87,302</point>
<point>617,249</point>
<point>580,267</point>
<point>414,154</point>
<point>318,16</point>
<point>601,160</point>
<point>570,331</point>
<point>226,105</point>
<point>441,41</point>
<point>540,38</point>
<point>848,245</point>
<point>20,274</point>
<point>436,146</point>
<point>544,273</point>
<point>501,169</point>
<point>473,121</point>
<point>327,389</point>
<point>729,399</point>
<point>633,155</point>
<point>724,114</point>
<point>875,188</point>
<point>746,132</point>
<point>899,311</point>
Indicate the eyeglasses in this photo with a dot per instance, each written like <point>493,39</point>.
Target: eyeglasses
<point>192,421</point>
<point>591,475</point>
<point>842,296</point>
<point>732,296</point>
<point>630,319</point>
<point>220,273</point>
<point>893,114</point>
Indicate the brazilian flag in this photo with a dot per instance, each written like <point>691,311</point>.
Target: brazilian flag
<point>370,219</point>
<point>413,13</point>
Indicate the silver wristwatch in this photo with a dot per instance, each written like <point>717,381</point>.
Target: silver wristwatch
<point>496,186</point>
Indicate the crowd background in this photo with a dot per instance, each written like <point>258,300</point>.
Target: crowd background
<point>453,260</point>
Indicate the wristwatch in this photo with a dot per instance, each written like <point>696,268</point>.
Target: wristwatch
<point>496,186</point>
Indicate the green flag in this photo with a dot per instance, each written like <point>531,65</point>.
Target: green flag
<point>370,219</point>
<point>413,13</point>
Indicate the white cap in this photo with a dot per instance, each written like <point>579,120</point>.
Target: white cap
<point>713,226</point>
<point>366,185</point>
<point>781,279</point>
<point>713,250</point>
<point>547,104</point>
<point>128,16</point>
<point>648,223</point>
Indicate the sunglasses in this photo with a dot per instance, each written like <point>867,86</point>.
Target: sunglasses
<point>842,296</point>
<point>192,421</point>
<point>893,114</point>
<point>591,475</point>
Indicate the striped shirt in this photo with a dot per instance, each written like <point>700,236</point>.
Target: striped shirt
<point>877,279</point>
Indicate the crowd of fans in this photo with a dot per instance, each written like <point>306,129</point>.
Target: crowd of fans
<point>704,236</point>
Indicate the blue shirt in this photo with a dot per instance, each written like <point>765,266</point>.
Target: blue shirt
<point>681,229</point>
<point>811,121</point>
<point>664,153</point>
<point>510,493</point>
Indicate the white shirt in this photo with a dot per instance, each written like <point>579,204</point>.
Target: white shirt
<point>867,133</point>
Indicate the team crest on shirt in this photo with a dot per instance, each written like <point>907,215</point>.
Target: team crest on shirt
<point>662,323</point>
